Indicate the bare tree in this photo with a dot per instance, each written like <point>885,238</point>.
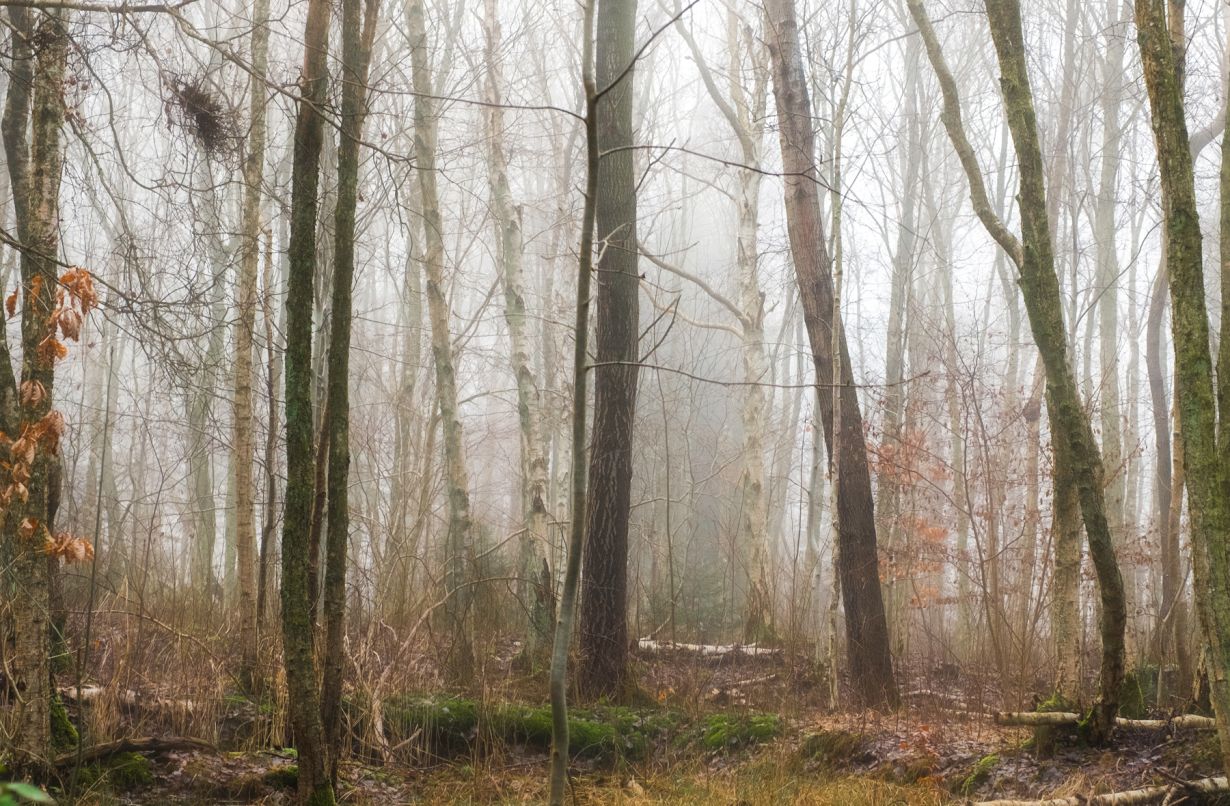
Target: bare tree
<point>867,639</point>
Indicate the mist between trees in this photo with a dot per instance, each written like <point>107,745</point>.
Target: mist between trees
<point>531,350</point>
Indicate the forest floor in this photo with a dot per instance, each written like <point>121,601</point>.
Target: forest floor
<point>711,730</point>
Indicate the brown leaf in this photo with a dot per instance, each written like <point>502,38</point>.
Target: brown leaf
<point>33,393</point>
<point>49,430</point>
<point>23,450</point>
<point>51,349</point>
<point>70,323</point>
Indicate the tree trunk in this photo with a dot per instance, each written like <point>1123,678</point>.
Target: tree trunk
<point>244,450</point>
<point>297,617</point>
<point>603,667</point>
<point>273,380</point>
<point>870,661</point>
<point>1034,256</point>
<point>578,489</point>
<point>460,659</point>
<point>892,473</point>
<point>1204,458</point>
<point>33,116</point>
<point>1107,283</point>
<point>356,50</point>
<point>509,250</point>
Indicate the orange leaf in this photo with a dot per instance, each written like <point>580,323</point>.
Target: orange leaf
<point>10,304</point>
<point>51,349</point>
<point>70,323</point>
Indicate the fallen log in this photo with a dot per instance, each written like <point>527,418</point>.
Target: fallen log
<point>148,744</point>
<point>127,698</point>
<point>1051,718</point>
<point>1180,721</point>
<point>705,650</point>
<point>1131,797</point>
<point>1036,718</point>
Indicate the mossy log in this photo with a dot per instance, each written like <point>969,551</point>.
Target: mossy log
<point>132,745</point>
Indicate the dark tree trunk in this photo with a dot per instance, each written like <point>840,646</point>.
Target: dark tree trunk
<point>869,657</point>
<point>604,589</point>
<point>356,50</point>
<point>297,597</point>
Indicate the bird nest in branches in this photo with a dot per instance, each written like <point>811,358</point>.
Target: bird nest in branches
<point>198,111</point>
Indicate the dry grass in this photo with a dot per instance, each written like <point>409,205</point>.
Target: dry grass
<point>773,777</point>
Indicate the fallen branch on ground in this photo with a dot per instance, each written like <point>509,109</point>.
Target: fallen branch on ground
<point>1131,797</point>
<point>126,697</point>
<point>707,650</point>
<point>1044,718</point>
<point>148,744</point>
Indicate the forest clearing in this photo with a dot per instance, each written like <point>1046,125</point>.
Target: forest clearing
<point>602,401</point>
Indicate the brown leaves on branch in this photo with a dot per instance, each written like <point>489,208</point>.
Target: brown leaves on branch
<point>68,548</point>
<point>77,289</point>
<point>44,434</point>
<point>51,349</point>
<point>64,546</point>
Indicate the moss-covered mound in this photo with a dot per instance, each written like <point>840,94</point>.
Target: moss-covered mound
<point>123,772</point>
<point>733,731</point>
<point>451,725</point>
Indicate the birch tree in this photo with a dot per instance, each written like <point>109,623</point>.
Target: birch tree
<point>244,450</point>
<point>458,544</point>
<point>509,253</point>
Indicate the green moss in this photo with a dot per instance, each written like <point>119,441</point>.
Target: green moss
<point>1047,737</point>
<point>603,732</point>
<point>450,724</point>
<point>130,770</point>
<point>456,725</point>
<point>1056,702</point>
<point>239,701</point>
<point>732,731</point>
<point>122,772</point>
<point>979,774</point>
<point>64,734</point>
<point>832,749</point>
<point>322,796</point>
<point>1138,690</point>
<point>235,699</point>
<point>286,777</point>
